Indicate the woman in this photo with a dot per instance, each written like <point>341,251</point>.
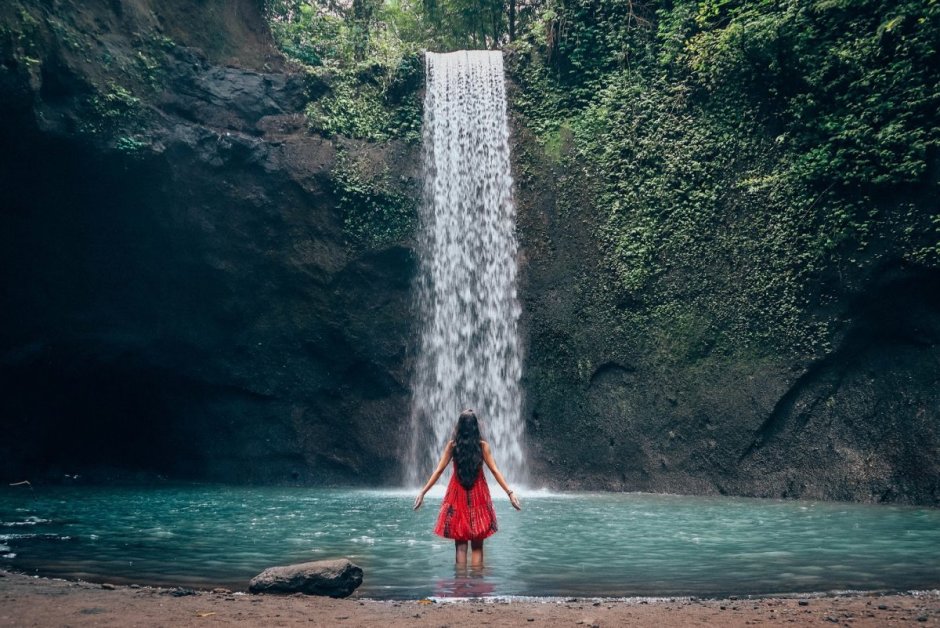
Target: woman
<point>467,514</point>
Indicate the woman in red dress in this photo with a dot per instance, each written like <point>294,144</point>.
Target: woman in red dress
<point>467,514</point>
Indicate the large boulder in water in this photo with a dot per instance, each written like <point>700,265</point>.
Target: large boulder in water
<point>335,578</point>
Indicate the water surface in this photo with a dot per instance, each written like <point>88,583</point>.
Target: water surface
<point>577,544</point>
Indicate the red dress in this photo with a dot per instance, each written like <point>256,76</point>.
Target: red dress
<point>466,515</point>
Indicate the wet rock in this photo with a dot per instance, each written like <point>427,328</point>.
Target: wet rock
<point>108,586</point>
<point>333,578</point>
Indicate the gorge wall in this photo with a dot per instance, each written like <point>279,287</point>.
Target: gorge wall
<point>200,283</point>
<point>620,402</point>
<point>183,294</point>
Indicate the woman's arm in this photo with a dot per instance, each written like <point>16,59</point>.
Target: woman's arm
<point>445,458</point>
<point>488,459</point>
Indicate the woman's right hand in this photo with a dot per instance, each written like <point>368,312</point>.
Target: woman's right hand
<point>419,500</point>
<point>515,502</point>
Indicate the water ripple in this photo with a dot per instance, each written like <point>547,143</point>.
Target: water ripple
<point>566,545</point>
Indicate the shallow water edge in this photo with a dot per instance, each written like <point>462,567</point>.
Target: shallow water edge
<point>560,545</point>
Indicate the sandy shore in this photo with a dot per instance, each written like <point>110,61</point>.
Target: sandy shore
<point>29,601</point>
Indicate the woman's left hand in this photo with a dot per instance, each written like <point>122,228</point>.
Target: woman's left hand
<point>419,500</point>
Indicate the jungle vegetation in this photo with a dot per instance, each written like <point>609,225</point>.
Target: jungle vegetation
<point>789,146</point>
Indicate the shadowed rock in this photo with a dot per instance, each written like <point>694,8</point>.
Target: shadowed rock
<point>335,578</point>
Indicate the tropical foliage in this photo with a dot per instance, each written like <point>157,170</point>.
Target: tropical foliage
<point>793,143</point>
<point>790,141</point>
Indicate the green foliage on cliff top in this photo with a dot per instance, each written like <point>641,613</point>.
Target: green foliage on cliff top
<point>371,103</point>
<point>770,151</point>
<point>369,53</point>
<point>373,74</point>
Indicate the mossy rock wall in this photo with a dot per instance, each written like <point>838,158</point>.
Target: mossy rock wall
<point>208,251</point>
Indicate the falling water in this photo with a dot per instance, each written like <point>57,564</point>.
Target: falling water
<point>469,355</point>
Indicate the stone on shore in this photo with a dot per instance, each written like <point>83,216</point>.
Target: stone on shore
<point>335,578</point>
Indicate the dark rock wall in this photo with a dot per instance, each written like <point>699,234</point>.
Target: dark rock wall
<point>180,297</point>
<point>183,301</point>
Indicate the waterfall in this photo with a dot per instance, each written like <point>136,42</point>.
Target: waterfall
<point>469,353</point>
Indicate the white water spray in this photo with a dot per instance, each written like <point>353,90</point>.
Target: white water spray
<point>469,354</point>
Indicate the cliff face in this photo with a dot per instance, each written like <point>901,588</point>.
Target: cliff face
<point>625,402</point>
<point>197,285</point>
<point>182,295</point>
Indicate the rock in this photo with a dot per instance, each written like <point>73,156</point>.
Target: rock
<point>803,602</point>
<point>335,578</point>
<point>216,155</point>
<point>108,586</point>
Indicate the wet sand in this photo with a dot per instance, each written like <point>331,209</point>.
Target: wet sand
<point>30,601</point>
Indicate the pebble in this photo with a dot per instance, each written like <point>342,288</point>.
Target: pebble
<point>882,607</point>
<point>922,618</point>
<point>803,602</point>
<point>108,586</point>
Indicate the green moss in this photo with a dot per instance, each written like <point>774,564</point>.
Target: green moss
<point>116,103</point>
<point>743,152</point>
<point>374,75</point>
<point>375,103</point>
<point>377,211</point>
<point>130,145</point>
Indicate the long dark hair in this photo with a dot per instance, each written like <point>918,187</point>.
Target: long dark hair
<point>468,453</point>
